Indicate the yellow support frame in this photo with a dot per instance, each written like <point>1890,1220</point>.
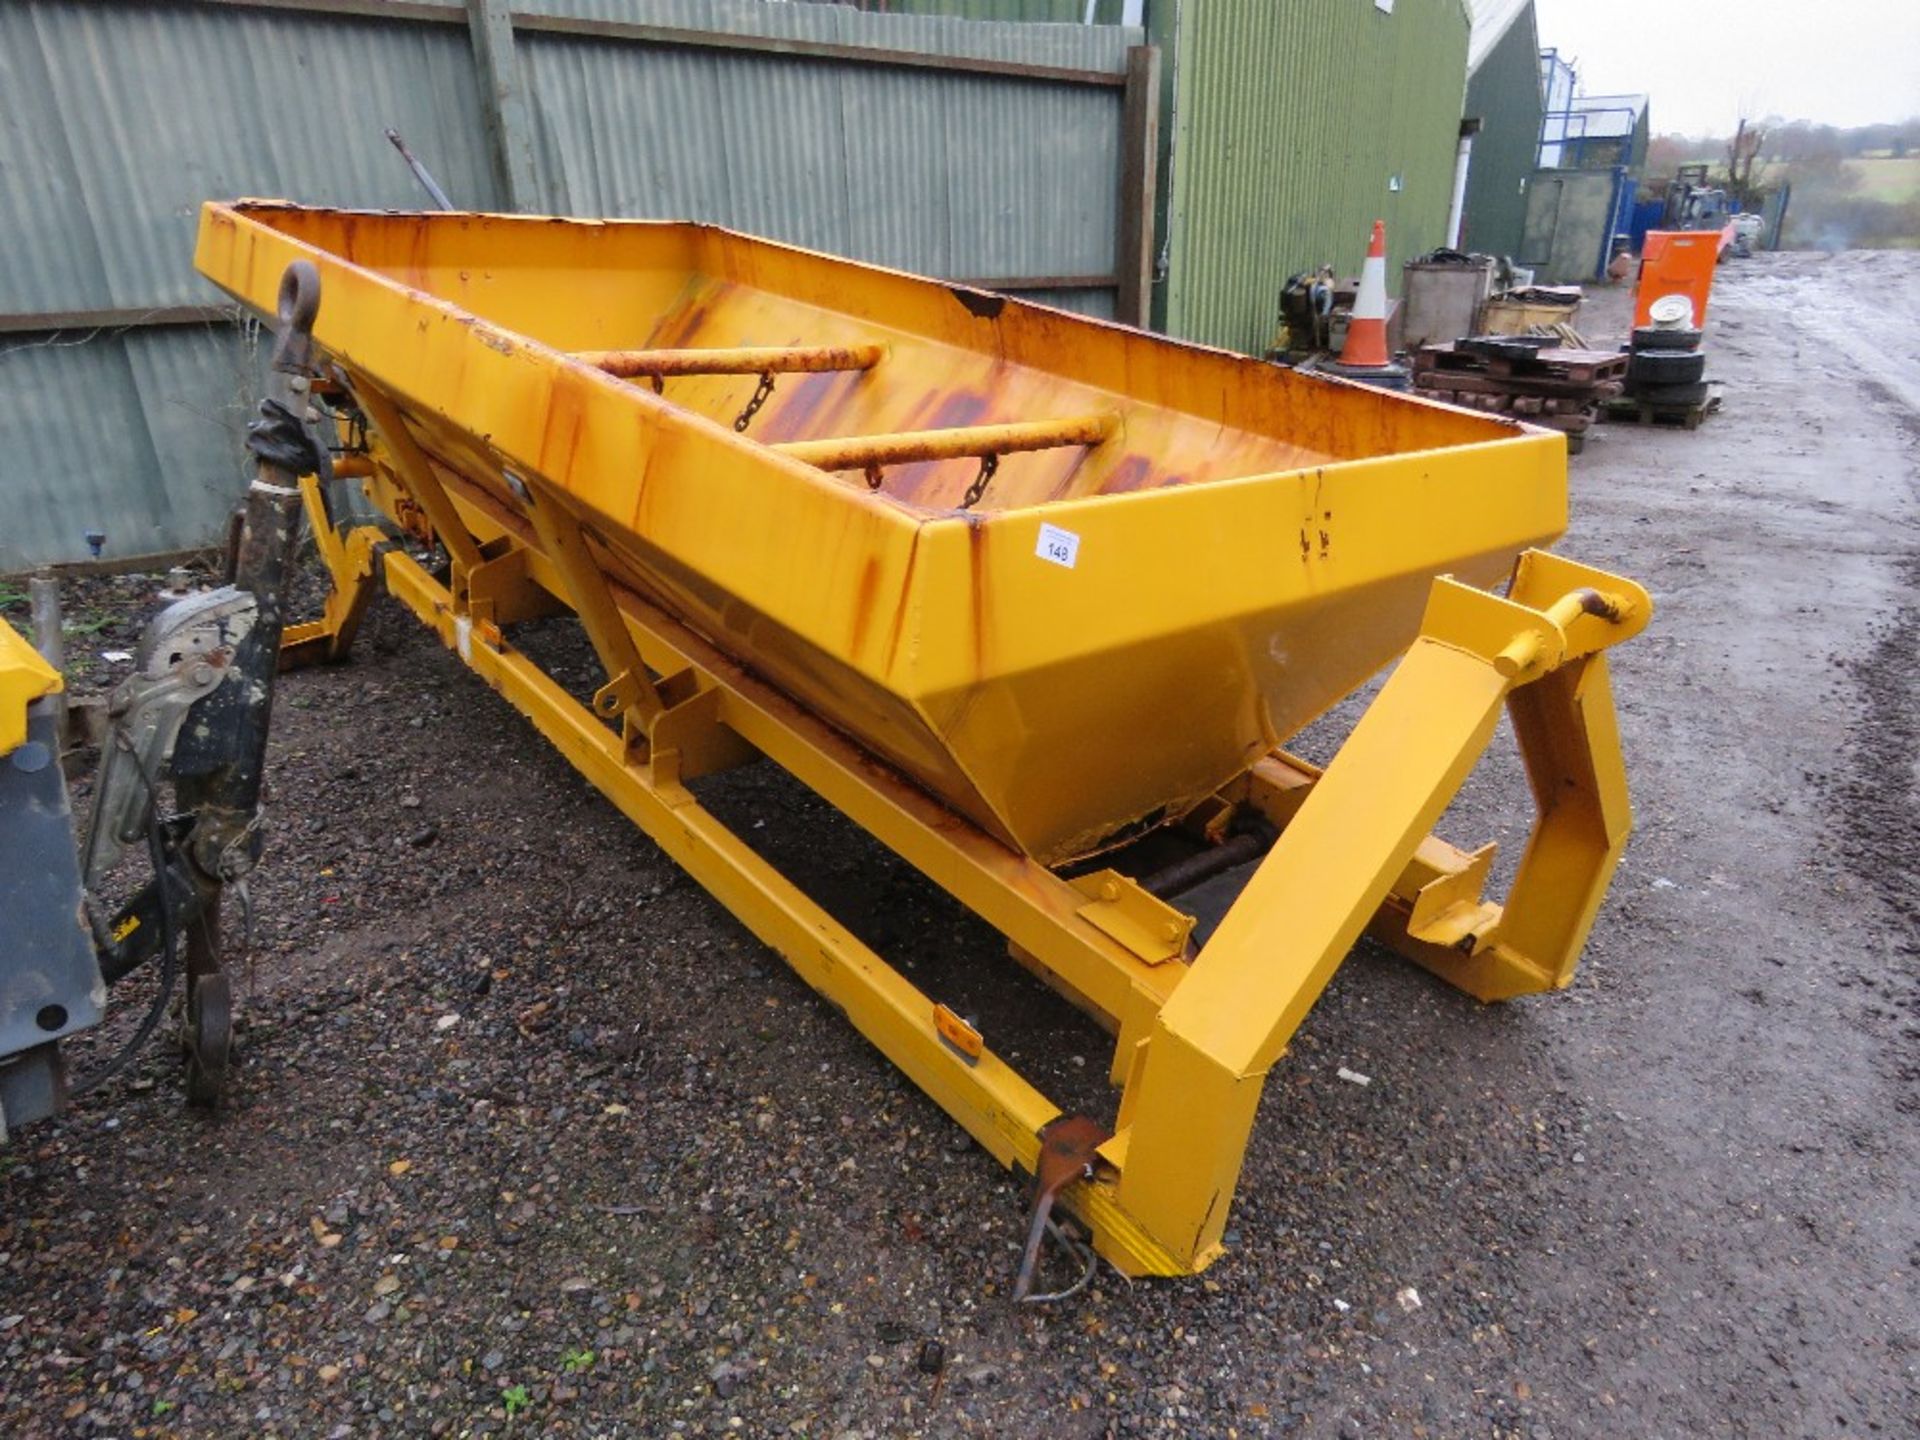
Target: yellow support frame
<point>25,676</point>
<point>1196,1033</point>
<point>350,561</point>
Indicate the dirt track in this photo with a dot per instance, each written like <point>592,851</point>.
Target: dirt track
<point>1677,1200</point>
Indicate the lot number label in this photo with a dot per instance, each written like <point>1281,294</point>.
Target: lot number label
<point>1062,547</point>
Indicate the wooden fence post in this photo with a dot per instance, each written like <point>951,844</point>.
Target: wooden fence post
<point>1139,157</point>
<point>503,101</point>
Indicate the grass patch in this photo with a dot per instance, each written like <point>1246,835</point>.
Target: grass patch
<point>1887,179</point>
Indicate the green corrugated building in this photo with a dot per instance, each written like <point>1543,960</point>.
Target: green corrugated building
<point>1504,95</point>
<point>1295,127</point>
<point>1287,128</point>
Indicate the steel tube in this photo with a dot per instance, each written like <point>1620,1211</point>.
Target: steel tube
<point>48,637</point>
<point>1183,875</point>
<point>856,452</point>
<point>421,173</point>
<point>742,360</point>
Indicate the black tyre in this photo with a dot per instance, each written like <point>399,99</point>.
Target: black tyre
<point>1665,367</point>
<point>1648,338</point>
<point>1693,393</point>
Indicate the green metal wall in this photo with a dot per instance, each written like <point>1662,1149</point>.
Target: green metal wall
<point>1290,117</point>
<point>1504,94</point>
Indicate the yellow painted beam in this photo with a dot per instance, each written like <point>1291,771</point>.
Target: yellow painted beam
<point>993,1102</point>
<point>1191,1101</point>
<point>349,563</point>
<point>415,471</point>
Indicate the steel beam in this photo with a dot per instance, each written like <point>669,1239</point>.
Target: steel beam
<point>121,318</point>
<point>1190,1099</point>
<point>414,470</point>
<point>812,49</point>
<point>696,39</point>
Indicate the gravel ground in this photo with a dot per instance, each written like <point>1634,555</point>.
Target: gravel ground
<point>529,1136</point>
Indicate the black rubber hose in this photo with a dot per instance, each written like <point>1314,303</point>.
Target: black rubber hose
<point>169,966</point>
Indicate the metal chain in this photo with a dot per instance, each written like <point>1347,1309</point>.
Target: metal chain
<point>760,394</point>
<point>233,861</point>
<point>988,464</point>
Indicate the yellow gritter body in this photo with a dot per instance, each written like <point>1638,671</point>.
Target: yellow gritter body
<point>1008,587</point>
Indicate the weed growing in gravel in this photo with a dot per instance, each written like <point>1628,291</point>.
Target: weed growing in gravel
<point>516,1399</point>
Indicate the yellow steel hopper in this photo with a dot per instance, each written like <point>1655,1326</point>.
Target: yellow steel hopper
<point>1011,589</point>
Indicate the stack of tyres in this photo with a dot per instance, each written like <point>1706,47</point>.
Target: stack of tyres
<point>1666,368</point>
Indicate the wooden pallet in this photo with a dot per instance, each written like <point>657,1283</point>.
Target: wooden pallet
<point>1639,412</point>
<point>1553,364</point>
<point>1540,409</point>
<point>1483,382</point>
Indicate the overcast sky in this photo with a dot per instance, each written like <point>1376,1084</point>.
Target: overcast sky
<point>1708,62</point>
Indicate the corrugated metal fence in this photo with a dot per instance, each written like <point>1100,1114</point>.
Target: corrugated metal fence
<point>989,152</point>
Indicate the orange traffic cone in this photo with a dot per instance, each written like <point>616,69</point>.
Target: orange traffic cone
<point>1367,326</point>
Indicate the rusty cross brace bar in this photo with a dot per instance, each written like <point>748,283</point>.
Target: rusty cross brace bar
<point>743,360</point>
<point>861,452</point>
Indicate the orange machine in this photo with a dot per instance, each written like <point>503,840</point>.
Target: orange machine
<point>1677,262</point>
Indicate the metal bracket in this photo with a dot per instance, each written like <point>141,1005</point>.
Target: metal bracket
<point>1069,1149</point>
<point>619,695</point>
<point>688,738</point>
<point>186,652</point>
<point>1144,923</point>
<point>1448,910</point>
<point>501,589</point>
